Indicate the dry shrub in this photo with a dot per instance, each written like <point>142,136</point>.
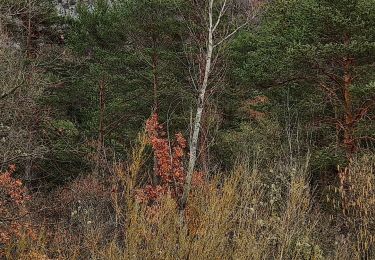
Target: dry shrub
<point>169,167</point>
<point>237,215</point>
<point>76,218</point>
<point>228,217</point>
<point>14,222</point>
<point>276,227</point>
<point>249,213</point>
<point>357,193</point>
<point>21,85</point>
<point>162,235</point>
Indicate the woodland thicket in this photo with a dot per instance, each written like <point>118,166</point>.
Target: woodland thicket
<point>185,129</point>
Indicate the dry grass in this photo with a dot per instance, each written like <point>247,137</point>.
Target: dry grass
<point>237,216</point>
<point>357,193</point>
<point>230,218</point>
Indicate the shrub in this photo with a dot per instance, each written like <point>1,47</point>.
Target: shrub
<point>357,193</point>
<point>169,163</point>
<point>13,209</point>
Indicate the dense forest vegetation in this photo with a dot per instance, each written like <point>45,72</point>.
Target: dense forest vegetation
<point>187,129</point>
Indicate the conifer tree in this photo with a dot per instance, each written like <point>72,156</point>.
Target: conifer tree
<point>133,50</point>
<point>325,47</point>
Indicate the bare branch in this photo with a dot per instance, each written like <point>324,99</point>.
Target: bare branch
<point>5,94</point>
<point>232,33</point>
<point>222,12</point>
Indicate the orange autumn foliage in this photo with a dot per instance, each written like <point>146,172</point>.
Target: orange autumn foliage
<point>13,210</point>
<point>169,166</point>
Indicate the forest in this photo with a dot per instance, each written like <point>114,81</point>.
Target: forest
<point>187,129</point>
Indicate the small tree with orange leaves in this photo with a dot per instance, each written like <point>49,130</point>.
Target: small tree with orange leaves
<point>169,166</point>
<point>13,210</point>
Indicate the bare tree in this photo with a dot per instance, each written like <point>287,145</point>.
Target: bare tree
<point>213,40</point>
<point>21,85</point>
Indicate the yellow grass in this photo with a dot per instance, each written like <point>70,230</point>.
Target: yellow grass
<point>238,215</point>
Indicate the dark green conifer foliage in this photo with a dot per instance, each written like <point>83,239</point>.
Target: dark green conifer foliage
<point>323,50</point>
<point>134,49</point>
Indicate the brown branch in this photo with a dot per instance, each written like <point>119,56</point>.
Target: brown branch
<point>366,108</point>
<point>5,94</point>
<point>330,93</point>
<point>365,137</point>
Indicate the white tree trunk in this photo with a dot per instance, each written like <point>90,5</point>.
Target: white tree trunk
<point>211,44</point>
<point>200,107</point>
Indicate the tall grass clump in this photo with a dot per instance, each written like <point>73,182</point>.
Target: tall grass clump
<point>357,202</point>
<point>254,211</point>
<point>237,215</point>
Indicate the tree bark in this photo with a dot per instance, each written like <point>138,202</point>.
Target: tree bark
<point>198,116</point>
<point>203,147</point>
<point>202,87</point>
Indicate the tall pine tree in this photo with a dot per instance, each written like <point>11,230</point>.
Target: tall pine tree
<point>325,48</point>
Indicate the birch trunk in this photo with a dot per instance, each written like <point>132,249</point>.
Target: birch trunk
<point>198,115</point>
<point>210,46</point>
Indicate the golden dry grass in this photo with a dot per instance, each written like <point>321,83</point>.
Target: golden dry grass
<point>233,216</point>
